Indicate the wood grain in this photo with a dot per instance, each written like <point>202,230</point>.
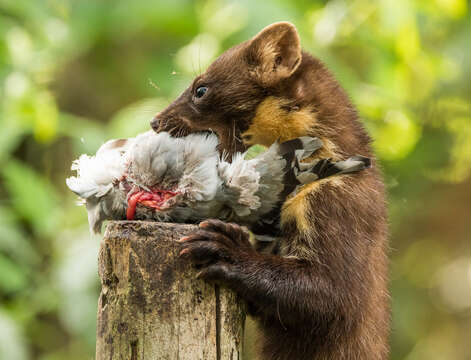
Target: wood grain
<point>152,306</point>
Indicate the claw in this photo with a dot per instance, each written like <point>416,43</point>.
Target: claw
<point>204,224</point>
<point>183,239</point>
<point>184,251</point>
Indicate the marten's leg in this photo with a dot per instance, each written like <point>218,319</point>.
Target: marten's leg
<point>303,305</point>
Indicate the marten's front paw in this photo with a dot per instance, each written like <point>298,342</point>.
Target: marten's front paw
<point>217,248</point>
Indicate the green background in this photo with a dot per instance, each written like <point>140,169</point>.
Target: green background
<point>74,73</point>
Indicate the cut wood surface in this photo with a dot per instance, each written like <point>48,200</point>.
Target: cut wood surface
<point>152,306</point>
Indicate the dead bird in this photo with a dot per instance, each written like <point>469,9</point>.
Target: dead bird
<point>163,178</point>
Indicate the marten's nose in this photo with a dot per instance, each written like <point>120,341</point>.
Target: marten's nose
<point>155,122</point>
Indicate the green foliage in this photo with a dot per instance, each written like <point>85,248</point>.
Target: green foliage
<point>32,197</point>
<point>75,73</point>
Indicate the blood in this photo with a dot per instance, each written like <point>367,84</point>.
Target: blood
<point>154,199</point>
<point>132,203</point>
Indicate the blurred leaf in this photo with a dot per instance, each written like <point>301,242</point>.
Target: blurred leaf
<point>13,241</point>
<point>12,276</point>
<point>12,344</point>
<point>20,46</point>
<point>10,136</point>
<point>36,112</point>
<point>78,294</point>
<point>408,41</point>
<point>453,8</point>
<point>32,196</point>
<point>451,105</point>
<point>46,116</point>
<point>460,167</point>
<point>397,138</point>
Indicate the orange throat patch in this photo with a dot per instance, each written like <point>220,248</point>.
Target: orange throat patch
<point>274,121</point>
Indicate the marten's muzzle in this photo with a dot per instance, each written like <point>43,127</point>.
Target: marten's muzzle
<point>178,118</point>
<point>174,125</point>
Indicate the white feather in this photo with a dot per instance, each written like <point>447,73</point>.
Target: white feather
<point>95,174</point>
<point>241,176</point>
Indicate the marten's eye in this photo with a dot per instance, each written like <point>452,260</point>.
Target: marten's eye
<point>201,91</point>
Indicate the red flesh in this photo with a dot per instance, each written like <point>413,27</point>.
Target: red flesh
<point>155,199</point>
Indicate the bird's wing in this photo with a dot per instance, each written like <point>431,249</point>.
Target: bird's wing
<point>95,174</point>
<point>94,181</point>
<point>277,173</point>
<point>254,187</point>
<point>277,169</point>
<point>320,169</point>
<point>298,149</point>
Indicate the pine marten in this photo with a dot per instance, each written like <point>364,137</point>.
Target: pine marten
<point>324,295</point>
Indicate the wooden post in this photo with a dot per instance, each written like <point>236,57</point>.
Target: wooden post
<point>151,305</point>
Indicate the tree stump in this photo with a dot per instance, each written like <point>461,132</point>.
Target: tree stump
<point>152,306</point>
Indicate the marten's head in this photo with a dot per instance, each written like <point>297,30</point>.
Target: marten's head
<point>257,92</point>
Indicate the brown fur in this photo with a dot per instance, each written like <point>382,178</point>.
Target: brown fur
<point>325,295</point>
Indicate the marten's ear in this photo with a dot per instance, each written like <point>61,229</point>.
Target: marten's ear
<point>274,53</point>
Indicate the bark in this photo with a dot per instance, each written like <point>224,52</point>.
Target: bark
<point>152,306</point>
